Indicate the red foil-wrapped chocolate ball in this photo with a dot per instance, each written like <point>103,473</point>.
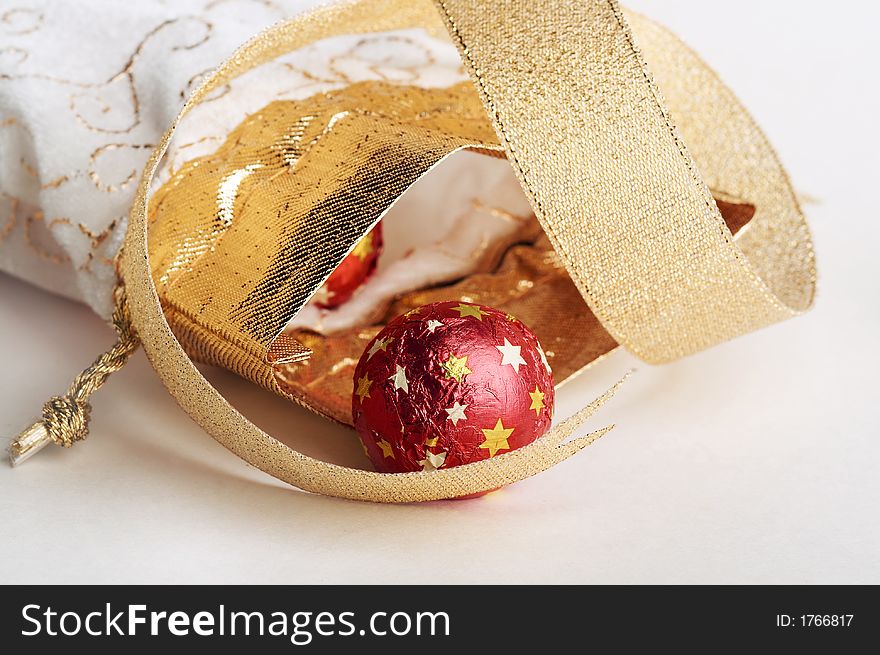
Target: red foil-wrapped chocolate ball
<point>448,384</point>
<point>354,270</point>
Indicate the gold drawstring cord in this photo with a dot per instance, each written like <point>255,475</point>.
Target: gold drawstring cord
<point>65,418</point>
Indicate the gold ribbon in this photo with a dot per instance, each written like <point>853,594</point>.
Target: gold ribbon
<point>614,185</point>
<point>610,180</point>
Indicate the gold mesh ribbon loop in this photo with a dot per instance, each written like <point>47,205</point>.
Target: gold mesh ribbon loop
<point>613,184</point>
<point>608,176</point>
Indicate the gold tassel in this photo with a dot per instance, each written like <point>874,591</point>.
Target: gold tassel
<point>65,418</point>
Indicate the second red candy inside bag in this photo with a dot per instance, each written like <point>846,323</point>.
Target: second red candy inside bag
<point>353,272</point>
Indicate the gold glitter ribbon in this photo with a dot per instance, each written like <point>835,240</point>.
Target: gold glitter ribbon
<point>614,185</point>
<point>609,178</point>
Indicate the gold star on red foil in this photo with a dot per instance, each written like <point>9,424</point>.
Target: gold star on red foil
<point>496,438</point>
<point>386,448</point>
<point>469,310</point>
<point>363,390</point>
<point>364,248</point>
<point>456,367</point>
<point>537,397</point>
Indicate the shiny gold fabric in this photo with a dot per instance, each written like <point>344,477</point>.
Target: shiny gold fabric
<point>276,208</point>
<point>227,231</point>
<point>610,180</point>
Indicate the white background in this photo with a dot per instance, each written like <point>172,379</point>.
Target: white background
<point>754,462</point>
